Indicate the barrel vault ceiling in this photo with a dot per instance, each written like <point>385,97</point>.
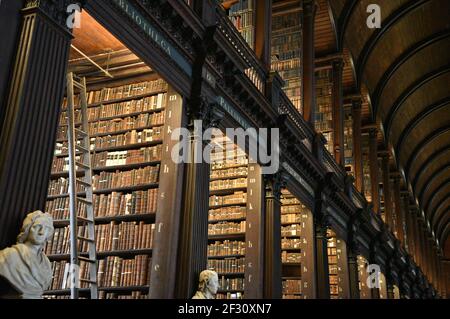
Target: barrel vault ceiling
<point>405,67</point>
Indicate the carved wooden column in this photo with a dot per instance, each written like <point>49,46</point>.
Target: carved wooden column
<point>167,221</point>
<point>33,104</point>
<point>388,215</point>
<point>352,255</point>
<point>357,148</point>
<point>399,211</point>
<point>10,22</point>
<point>193,244</point>
<point>321,224</point>
<point>308,61</point>
<point>272,264</point>
<point>374,172</point>
<point>338,112</point>
<point>263,32</point>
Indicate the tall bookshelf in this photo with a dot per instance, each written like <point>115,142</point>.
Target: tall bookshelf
<point>242,15</point>
<point>381,188</point>
<point>364,290</point>
<point>348,141</point>
<point>324,111</point>
<point>227,217</point>
<point>286,51</point>
<point>296,248</point>
<point>366,167</point>
<point>337,267</point>
<point>126,132</point>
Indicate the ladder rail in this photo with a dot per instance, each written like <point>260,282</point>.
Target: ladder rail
<point>85,165</point>
<point>89,191</point>
<point>74,293</point>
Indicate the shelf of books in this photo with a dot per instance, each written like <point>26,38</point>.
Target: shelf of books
<point>126,132</point>
<point>296,248</point>
<point>348,141</point>
<point>366,167</point>
<point>286,51</point>
<point>324,104</point>
<point>337,267</point>
<point>363,276</point>
<point>227,217</point>
<point>242,15</point>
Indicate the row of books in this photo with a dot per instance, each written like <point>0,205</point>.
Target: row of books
<point>226,248</point>
<point>292,286</point>
<point>230,295</point>
<point>135,177</point>
<point>231,283</point>
<point>60,164</point>
<point>291,218</point>
<point>288,258</point>
<point>291,230</point>
<point>226,228</point>
<point>256,78</point>
<point>145,154</point>
<point>59,208</point>
<point>234,265</point>
<point>153,103</point>
<point>294,209</point>
<point>235,162</point>
<point>120,204</point>
<point>118,272</point>
<point>114,204</point>
<point>108,237</point>
<point>291,243</point>
<point>227,183</point>
<point>125,91</point>
<point>230,172</point>
<point>229,212</point>
<point>128,139</point>
<point>286,65</point>
<point>283,21</point>
<point>243,19</point>
<point>236,198</point>
<point>114,295</point>
<point>332,265</point>
<point>61,186</point>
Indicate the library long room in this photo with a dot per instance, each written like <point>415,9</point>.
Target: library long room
<point>232,149</point>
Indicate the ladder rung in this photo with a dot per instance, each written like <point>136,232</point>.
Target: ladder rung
<point>82,165</point>
<point>78,84</point>
<point>84,219</point>
<point>83,183</point>
<point>88,281</point>
<point>85,239</point>
<point>84,200</point>
<point>80,132</point>
<point>83,149</point>
<point>85,259</point>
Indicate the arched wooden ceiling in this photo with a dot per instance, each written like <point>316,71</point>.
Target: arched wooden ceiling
<point>405,66</point>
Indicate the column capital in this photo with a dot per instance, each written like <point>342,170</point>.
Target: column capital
<point>276,182</point>
<point>55,10</point>
<point>373,132</point>
<point>356,103</point>
<point>337,63</point>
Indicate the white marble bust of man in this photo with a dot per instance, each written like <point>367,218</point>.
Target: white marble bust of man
<point>25,266</point>
<point>208,285</point>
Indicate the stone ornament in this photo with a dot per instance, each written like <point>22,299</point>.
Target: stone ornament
<point>208,285</point>
<point>25,266</point>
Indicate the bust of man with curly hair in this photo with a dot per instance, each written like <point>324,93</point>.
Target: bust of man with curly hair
<point>25,266</point>
<point>208,285</point>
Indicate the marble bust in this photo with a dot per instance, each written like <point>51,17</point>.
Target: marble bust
<point>208,285</point>
<point>25,266</point>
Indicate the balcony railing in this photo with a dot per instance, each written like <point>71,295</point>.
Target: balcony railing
<point>254,70</point>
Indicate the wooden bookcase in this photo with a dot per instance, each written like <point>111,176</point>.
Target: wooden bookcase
<point>366,167</point>
<point>242,15</point>
<point>235,205</point>
<point>324,111</point>
<point>364,290</point>
<point>227,217</point>
<point>337,267</point>
<point>126,126</point>
<point>297,252</point>
<point>286,49</point>
<point>348,141</point>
